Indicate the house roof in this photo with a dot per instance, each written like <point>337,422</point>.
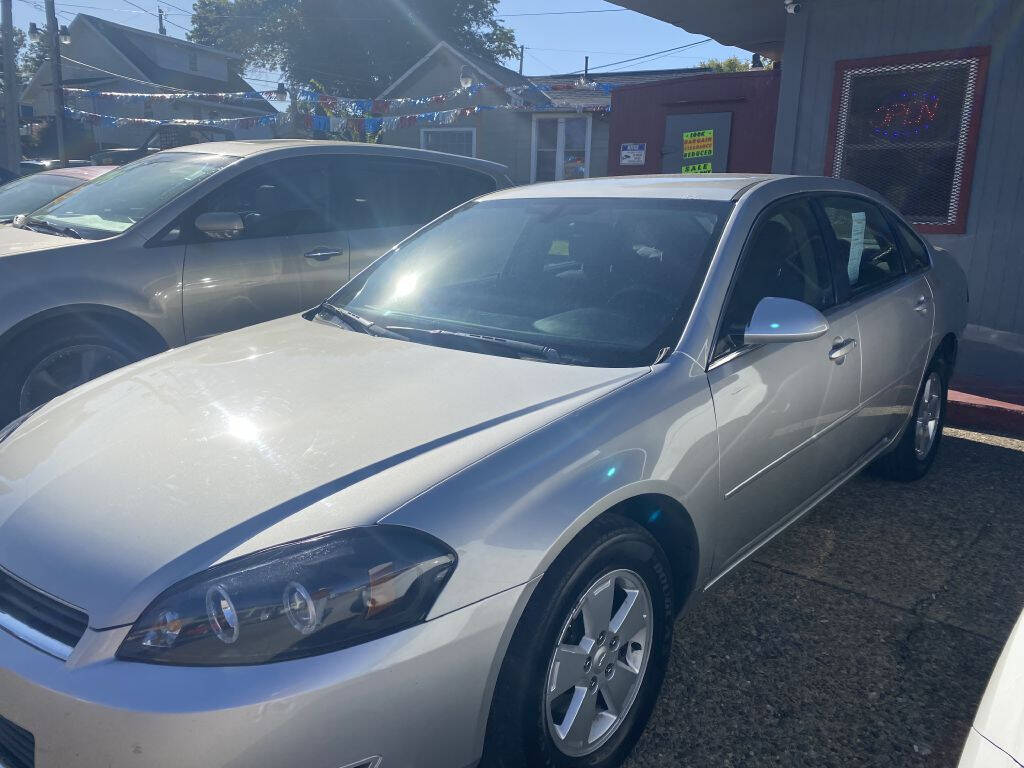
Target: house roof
<point>495,73</point>
<point>132,43</point>
<point>571,91</point>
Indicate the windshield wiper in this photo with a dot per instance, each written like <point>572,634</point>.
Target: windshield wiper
<point>527,348</point>
<point>360,323</point>
<point>45,226</point>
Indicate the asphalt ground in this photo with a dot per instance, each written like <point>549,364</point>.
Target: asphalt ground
<point>864,635</point>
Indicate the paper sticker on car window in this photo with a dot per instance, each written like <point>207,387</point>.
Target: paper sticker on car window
<point>856,245</point>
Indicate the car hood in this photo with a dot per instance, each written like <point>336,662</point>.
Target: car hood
<point>14,241</point>
<point>115,491</point>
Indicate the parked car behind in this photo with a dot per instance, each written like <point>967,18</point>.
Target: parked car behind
<point>196,241</point>
<point>26,194</point>
<point>996,739</point>
<point>453,513</point>
<point>163,137</point>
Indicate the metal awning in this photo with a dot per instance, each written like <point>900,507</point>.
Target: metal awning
<point>756,25</point>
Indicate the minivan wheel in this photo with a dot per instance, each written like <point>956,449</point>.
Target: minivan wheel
<point>39,367</point>
<point>588,656</point>
<point>915,452</point>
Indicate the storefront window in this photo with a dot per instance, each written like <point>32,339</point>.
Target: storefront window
<point>908,128</point>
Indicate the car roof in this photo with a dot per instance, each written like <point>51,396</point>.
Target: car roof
<point>86,172</point>
<point>706,186</point>
<point>266,146</point>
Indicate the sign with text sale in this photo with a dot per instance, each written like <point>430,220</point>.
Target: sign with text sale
<point>697,168</point>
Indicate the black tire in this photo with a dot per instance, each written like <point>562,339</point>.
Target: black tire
<point>518,732</point>
<point>26,351</point>
<point>904,463</point>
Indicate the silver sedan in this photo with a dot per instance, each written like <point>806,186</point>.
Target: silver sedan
<point>449,517</point>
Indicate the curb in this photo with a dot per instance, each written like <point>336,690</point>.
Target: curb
<point>983,414</point>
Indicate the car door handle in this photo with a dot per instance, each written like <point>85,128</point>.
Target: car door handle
<point>840,349</point>
<point>323,254</point>
<point>922,305</point>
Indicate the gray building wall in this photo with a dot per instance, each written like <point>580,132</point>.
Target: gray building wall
<point>992,249</point>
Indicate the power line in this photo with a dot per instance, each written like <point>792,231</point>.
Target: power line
<point>119,75</point>
<point>562,13</point>
<point>645,56</point>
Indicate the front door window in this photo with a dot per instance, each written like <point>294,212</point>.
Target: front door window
<point>561,148</point>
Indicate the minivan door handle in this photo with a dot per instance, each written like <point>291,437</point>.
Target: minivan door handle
<point>840,349</point>
<point>922,305</point>
<point>323,254</point>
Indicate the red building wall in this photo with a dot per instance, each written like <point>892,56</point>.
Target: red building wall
<point>638,115</point>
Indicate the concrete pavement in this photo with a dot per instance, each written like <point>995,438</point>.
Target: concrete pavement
<point>864,635</point>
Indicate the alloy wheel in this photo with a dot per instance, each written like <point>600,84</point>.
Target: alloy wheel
<point>66,369</point>
<point>928,415</point>
<point>598,664</point>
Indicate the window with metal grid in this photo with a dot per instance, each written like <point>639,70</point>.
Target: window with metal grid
<point>452,140</point>
<point>908,130</point>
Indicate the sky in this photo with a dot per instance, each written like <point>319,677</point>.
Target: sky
<point>556,35</point>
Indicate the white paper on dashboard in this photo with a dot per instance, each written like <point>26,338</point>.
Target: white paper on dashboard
<point>856,245</point>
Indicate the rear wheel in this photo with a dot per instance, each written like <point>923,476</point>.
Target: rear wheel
<point>586,662</point>
<point>46,362</point>
<point>915,452</point>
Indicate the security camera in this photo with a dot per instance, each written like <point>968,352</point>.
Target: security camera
<point>793,7</point>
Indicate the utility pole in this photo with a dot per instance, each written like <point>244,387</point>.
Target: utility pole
<point>12,88</point>
<point>586,66</point>
<point>522,54</point>
<point>160,21</point>
<point>53,32</point>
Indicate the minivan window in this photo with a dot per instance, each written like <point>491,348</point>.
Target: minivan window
<point>119,199</point>
<point>607,282</point>
<point>376,192</point>
<point>867,251</point>
<point>286,197</point>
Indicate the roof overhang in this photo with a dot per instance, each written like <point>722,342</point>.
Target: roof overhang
<point>756,25</point>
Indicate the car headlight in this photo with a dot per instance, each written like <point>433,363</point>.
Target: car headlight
<point>294,600</point>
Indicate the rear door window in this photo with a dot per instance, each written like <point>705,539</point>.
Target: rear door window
<point>379,192</point>
<point>865,247</point>
<point>915,254</point>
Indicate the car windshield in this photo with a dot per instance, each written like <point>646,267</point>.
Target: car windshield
<point>604,281</point>
<point>119,199</point>
<point>25,195</point>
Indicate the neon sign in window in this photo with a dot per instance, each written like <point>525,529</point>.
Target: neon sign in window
<point>911,115</point>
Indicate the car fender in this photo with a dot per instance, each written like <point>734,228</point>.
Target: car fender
<point>509,515</point>
<point>79,281</point>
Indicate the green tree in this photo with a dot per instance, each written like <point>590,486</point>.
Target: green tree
<point>354,47</point>
<point>19,44</point>
<point>732,64</point>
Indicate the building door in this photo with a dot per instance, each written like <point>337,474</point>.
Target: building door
<point>696,143</point>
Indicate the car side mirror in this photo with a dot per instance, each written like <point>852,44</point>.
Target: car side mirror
<point>220,226</point>
<point>776,319</point>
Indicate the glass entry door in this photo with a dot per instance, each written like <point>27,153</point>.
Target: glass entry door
<point>561,148</point>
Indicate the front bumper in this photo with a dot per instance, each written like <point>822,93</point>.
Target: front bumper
<point>417,699</point>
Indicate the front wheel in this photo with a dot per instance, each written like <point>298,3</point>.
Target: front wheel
<point>41,365</point>
<point>586,661</point>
